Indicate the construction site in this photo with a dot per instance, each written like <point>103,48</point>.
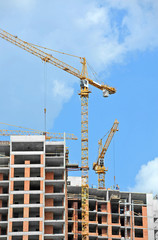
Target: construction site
<point>38,198</point>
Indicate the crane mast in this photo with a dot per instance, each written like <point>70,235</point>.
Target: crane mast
<point>84,94</point>
<point>98,166</point>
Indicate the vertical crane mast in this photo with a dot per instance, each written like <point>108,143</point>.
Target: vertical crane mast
<point>84,94</point>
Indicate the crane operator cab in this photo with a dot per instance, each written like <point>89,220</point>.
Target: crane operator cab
<point>84,83</point>
<point>105,93</point>
<point>101,162</point>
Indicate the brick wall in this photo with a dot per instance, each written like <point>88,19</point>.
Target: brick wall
<point>48,229</point>
<point>49,202</point>
<point>49,175</point>
<point>49,189</point>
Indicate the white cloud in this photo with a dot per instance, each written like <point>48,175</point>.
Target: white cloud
<point>61,91</point>
<point>104,32</point>
<point>147,178</point>
<point>120,27</point>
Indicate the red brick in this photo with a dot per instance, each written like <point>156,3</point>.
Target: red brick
<point>49,189</point>
<point>48,229</point>
<point>49,202</point>
<point>48,216</point>
<point>49,175</point>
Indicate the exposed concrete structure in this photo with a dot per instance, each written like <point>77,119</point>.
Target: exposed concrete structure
<point>36,203</point>
<point>113,214</point>
<point>32,189</point>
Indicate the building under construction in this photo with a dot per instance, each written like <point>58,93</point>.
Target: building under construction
<point>39,201</point>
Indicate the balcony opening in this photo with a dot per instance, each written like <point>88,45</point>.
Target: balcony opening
<point>92,229</point>
<point>114,208</point>
<point>54,151</point>
<point>70,204</point>
<point>122,233</point>
<point>17,212</point>
<point>4,217</point>
<point>17,227</point>
<point>137,210</point>
<point>35,186</point>
<point>138,221</point>
<point>92,217</point>
<point>58,189</point>
<point>4,203</point>
<point>58,202</point>
<point>5,190</point>
<point>79,215</point>
<point>57,216</point>
<point>58,176</point>
<point>57,230</point>
<point>99,219</point>
<point>115,231</point>
<point>3,231</point>
<point>34,172</point>
<point>19,186</point>
<point>139,233</point>
<point>20,159</point>
<point>34,237</point>
<point>70,228</point>
<point>79,227</point>
<point>115,219</point>
<point>34,226</point>
<point>92,206</point>
<point>18,172</point>
<point>122,221</point>
<point>27,146</point>
<point>121,210</point>
<point>70,215</point>
<point>34,198</point>
<point>34,212</point>
<point>17,238</point>
<point>99,231</point>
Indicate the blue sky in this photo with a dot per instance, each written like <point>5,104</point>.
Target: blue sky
<point>119,40</point>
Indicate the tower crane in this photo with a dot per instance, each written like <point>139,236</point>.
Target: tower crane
<point>98,166</point>
<point>84,94</point>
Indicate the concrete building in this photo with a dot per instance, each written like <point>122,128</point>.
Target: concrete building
<point>113,214</point>
<point>32,189</point>
<point>37,201</point>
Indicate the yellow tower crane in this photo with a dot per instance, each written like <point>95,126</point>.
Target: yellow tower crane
<point>84,94</point>
<point>98,166</point>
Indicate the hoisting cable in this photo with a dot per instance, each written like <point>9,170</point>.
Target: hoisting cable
<point>114,162</point>
<point>45,96</point>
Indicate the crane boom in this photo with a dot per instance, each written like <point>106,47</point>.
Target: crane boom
<point>109,138</point>
<point>49,135</point>
<point>84,94</point>
<point>46,57</point>
<point>99,165</point>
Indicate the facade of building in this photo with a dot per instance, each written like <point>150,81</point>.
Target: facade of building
<point>32,189</point>
<point>113,214</point>
<point>38,202</point>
